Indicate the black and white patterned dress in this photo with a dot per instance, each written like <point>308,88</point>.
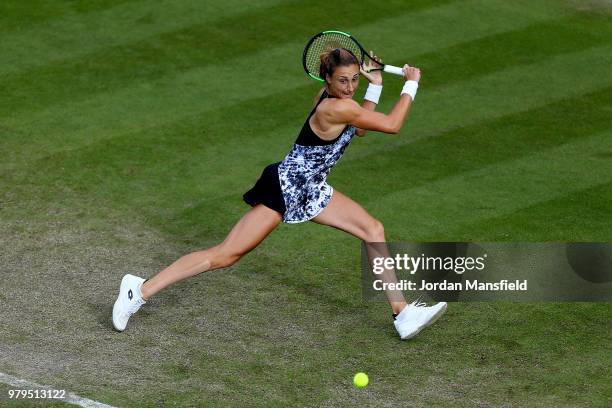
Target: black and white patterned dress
<point>297,186</point>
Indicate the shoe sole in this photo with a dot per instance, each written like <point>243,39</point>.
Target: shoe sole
<point>115,305</point>
<point>437,315</point>
<point>432,321</point>
<point>114,323</point>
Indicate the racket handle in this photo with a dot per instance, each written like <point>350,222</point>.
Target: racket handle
<point>393,70</point>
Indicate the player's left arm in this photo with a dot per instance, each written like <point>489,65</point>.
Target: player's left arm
<point>374,77</point>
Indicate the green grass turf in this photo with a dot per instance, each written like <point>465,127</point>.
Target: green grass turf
<point>130,129</point>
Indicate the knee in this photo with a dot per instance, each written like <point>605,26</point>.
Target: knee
<point>226,258</point>
<point>375,231</point>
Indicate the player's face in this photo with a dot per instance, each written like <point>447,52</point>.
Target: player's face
<point>344,82</point>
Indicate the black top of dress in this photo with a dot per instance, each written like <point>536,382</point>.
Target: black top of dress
<point>307,136</point>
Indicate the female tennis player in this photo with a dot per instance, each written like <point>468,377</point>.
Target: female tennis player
<point>295,189</point>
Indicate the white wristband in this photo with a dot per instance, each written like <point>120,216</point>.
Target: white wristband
<point>410,88</point>
<point>373,93</point>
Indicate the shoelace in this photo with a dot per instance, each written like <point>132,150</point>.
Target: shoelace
<point>419,303</point>
<point>134,306</point>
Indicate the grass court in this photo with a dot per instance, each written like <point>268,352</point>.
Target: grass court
<point>129,131</point>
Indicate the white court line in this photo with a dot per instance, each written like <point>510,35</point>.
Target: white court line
<point>69,398</point>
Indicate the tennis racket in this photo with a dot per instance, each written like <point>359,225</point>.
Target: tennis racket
<point>332,39</point>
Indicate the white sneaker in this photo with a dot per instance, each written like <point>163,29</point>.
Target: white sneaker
<point>416,316</point>
<point>129,301</point>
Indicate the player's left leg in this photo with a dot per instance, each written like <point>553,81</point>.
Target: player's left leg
<point>247,234</point>
<point>252,229</point>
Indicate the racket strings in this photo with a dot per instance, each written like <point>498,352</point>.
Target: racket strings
<point>327,42</point>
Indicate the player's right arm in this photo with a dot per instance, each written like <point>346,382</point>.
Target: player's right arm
<point>348,111</point>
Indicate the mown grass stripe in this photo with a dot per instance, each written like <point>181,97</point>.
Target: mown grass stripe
<point>528,45</point>
<point>192,147</point>
<point>582,215</point>
<point>20,16</point>
<point>134,22</point>
<point>147,61</point>
<point>215,121</point>
<point>168,54</point>
<point>191,47</point>
<point>152,105</point>
<point>169,176</point>
<point>80,34</point>
<point>514,89</point>
<point>453,24</point>
<point>420,161</point>
<point>32,90</point>
<point>494,190</point>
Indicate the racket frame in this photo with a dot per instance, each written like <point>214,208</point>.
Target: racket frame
<point>387,68</point>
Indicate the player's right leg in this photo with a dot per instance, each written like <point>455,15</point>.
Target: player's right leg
<point>346,215</point>
<point>251,230</point>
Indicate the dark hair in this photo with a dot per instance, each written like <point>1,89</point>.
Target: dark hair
<point>338,57</point>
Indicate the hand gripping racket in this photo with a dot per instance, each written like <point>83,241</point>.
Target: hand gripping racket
<point>332,39</point>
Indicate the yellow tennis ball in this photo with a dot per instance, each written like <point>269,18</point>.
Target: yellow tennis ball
<point>361,380</point>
